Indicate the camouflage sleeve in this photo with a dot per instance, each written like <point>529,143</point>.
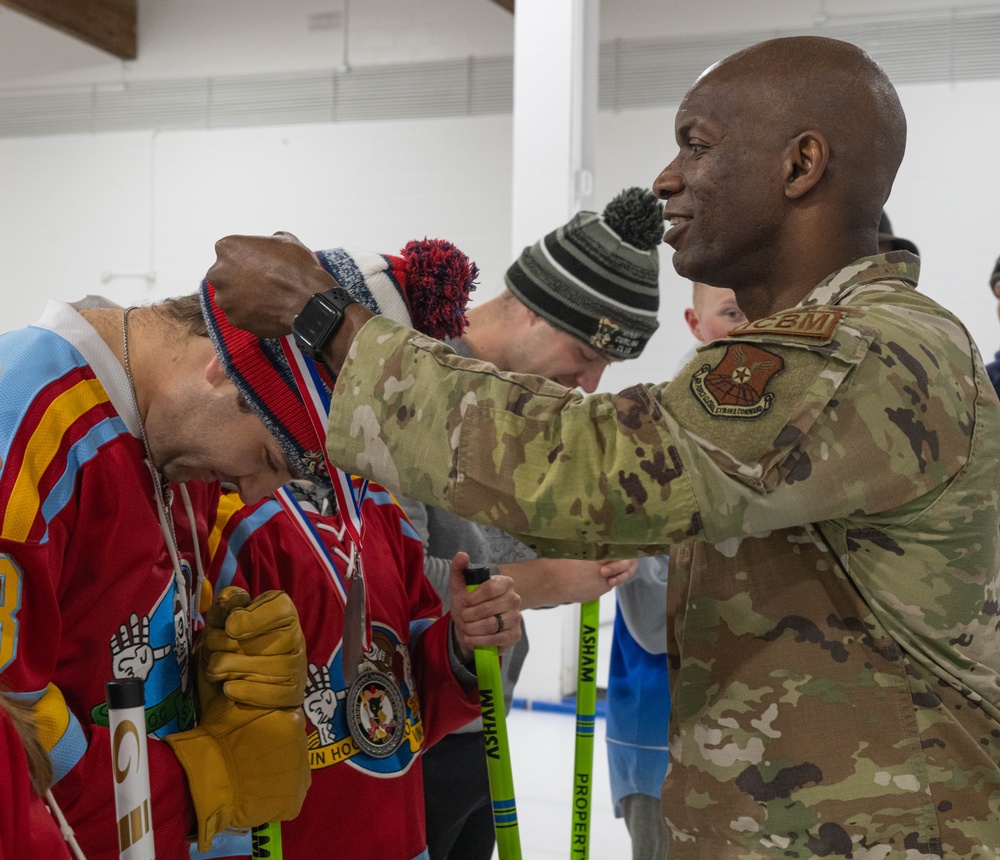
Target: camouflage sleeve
<point>568,476</point>
<point>760,431</point>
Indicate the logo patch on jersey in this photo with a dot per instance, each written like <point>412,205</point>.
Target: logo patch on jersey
<point>373,724</point>
<point>736,386</point>
<point>820,324</point>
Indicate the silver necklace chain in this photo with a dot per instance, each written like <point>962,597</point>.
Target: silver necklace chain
<point>165,498</point>
<point>131,388</point>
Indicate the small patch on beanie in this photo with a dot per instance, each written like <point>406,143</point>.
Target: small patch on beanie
<point>601,339</point>
<point>610,338</point>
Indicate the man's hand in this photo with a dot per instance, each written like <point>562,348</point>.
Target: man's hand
<point>254,648</point>
<point>245,763</point>
<point>549,582</point>
<point>476,615</point>
<point>262,282</point>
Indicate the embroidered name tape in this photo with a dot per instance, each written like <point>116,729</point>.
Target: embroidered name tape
<point>819,324</point>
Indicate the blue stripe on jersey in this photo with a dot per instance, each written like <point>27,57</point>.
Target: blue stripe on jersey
<point>83,450</point>
<point>30,359</point>
<point>226,845</point>
<point>383,497</point>
<point>69,749</point>
<point>417,629</point>
<point>238,537</point>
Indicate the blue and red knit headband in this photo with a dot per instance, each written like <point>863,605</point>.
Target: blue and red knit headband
<point>427,286</point>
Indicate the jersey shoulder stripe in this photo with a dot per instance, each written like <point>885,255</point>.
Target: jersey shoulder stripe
<point>56,416</point>
<point>378,495</point>
<point>243,528</point>
<point>57,728</point>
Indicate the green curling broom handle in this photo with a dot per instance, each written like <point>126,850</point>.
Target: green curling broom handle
<point>266,840</point>
<point>586,708</point>
<point>491,703</point>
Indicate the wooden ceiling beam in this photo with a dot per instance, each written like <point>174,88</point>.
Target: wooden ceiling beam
<point>106,24</point>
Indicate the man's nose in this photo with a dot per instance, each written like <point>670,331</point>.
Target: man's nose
<point>587,380</point>
<point>669,182</point>
<point>253,488</point>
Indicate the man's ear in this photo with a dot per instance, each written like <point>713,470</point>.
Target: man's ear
<point>529,316</point>
<point>805,162</point>
<point>214,374</point>
<point>691,318</point>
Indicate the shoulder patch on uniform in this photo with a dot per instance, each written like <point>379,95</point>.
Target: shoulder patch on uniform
<point>736,386</point>
<point>816,323</point>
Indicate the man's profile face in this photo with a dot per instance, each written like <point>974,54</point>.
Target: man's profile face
<point>222,440</point>
<point>723,186</point>
<point>545,350</point>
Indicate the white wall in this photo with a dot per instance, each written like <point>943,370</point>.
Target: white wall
<point>78,206</point>
<point>73,208</point>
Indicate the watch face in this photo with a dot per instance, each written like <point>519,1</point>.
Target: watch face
<point>316,324</point>
<point>312,326</point>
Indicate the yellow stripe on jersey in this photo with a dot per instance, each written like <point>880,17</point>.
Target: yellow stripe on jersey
<point>51,717</point>
<point>45,443</point>
<point>229,504</point>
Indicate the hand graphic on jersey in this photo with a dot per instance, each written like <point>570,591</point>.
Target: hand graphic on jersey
<point>131,654</point>
<point>404,652</point>
<point>321,702</point>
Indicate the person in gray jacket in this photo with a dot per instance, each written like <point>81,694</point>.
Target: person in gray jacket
<point>583,296</point>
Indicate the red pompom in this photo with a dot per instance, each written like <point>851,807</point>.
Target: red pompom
<point>439,278</point>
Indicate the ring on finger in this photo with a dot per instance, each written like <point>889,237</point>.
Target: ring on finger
<point>499,618</point>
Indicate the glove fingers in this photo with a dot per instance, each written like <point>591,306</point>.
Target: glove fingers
<point>215,639</point>
<point>231,597</point>
<point>265,645</point>
<point>271,611</point>
<point>282,669</point>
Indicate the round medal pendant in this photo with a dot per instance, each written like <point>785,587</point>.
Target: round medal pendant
<point>376,715</point>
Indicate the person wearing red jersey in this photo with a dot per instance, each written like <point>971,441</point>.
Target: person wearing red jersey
<point>109,431</point>
<point>117,428</point>
<point>373,707</point>
<point>27,828</point>
<point>416,676</point>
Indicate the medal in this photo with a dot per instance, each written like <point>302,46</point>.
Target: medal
<point>376,716</point>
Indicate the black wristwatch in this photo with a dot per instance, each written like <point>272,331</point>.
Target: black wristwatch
<point>319,321</point>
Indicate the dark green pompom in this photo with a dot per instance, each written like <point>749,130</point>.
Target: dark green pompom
<point>637,216</point>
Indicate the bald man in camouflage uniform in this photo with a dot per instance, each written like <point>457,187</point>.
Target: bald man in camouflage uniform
<point>825,478</point>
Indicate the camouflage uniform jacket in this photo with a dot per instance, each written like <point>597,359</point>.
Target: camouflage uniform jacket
<point>826,480</point>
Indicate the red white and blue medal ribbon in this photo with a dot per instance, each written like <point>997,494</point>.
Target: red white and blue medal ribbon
<point>349,501</point>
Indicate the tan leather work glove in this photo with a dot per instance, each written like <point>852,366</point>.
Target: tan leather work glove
<point>255,649</point>
<point>246,764</point>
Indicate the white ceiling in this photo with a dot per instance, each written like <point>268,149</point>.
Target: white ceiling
<point>194,38</point>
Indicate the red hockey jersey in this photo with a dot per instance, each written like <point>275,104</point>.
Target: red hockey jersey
<point>87,589</point>
<point>359,804</point>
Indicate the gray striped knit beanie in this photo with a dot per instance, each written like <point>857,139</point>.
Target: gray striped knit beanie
<point>597,277</point>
